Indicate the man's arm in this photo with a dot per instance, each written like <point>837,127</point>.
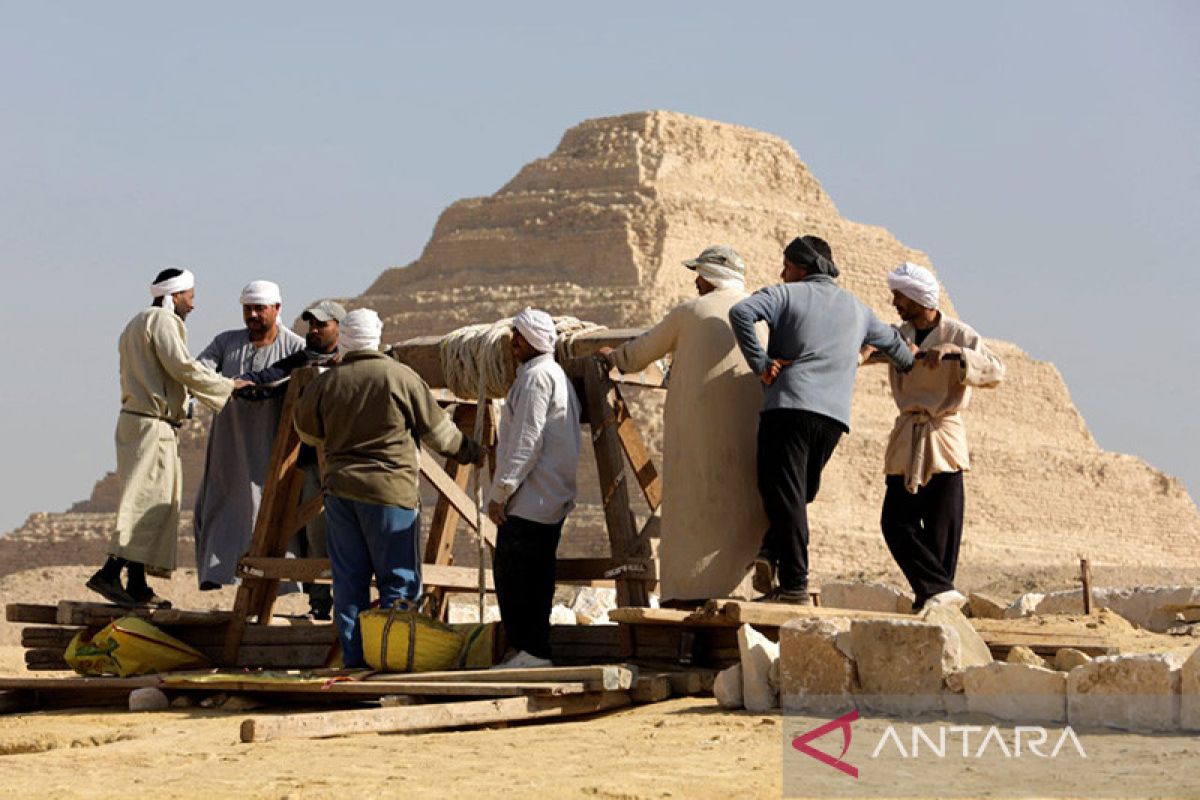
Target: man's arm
<point>433,426</point>
<point>978,365</point>
<point>762,306</point>
<point>211,355</point>
<point>166,334</point>
<point>888,341</point>
<point>528,425</point>
<point>637,354</point>
<point>279,370</point>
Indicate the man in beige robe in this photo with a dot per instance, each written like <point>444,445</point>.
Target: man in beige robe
<point>712,515</point>
<point>157,374</point>
<point>927,452</point>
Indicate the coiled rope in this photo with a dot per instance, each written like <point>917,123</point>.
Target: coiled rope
<point>476,361</point>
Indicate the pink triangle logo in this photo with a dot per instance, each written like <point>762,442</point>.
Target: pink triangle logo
<point>801,743</point>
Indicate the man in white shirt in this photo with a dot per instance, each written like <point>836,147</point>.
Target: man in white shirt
<point>534,487</point>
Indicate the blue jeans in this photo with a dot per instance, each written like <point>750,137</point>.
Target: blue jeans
<point>365,540</point>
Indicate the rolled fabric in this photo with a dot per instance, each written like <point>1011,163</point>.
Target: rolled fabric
<point>722,277</point>
<point>802,254</point>
<point>361,329</point>
<point>721,266</point>
<point>916,283</point>
<point>171,286</point>
<point>538,329</point>
<point>261,293</point>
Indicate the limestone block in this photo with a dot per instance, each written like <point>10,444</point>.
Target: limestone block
<point>815,675</point>
<point>1131,692</point>
<point>561,615</point>
<point>985,607</point>
<point>757,655</point>
<point>1024,605</point>
<point>1068,658</point>
<point>1016,692</point>
<point>1150,607</point>
<point>468,611</point>
<point>902,664</point>
<point>1189,693</point>
<point>1023,655</point>
<point>727,687</point>
<point>592,604</point>
<point>865,597</point>
<point>972,650</point>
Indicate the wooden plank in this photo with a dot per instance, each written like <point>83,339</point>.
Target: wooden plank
<point>599,397</point>
<point>573,569</point>
<point>458,498</point>
<point>72,612</point>
<point>650,689</point>
<point>612,677</point>
<point>744,612</point>
<point>427,717</point>
<point>31,613</point>
<point>33,637</point>
<point>317,570</point>
<point>14,701</point>
<point>79,684</point>
<point>377,689</point>
<point>440,543</point>
<point>637,452</point>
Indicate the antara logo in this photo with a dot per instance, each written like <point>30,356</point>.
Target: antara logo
<point>1026,740</point>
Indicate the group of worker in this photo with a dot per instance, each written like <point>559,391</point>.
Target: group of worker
<point>759,396</point>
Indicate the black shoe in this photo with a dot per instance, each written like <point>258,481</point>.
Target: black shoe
<point>787,596</point>
<point>110,589</point>
<point>150,599</point>
<point>763,579</point>
<point>319,614</point>
<point>209,586</point>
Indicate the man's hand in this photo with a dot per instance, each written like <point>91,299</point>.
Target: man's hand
<point>496,512</point>
<point>864,354</point>
<point>935,354</point>
<point>772,371</point>
<point>239,383</point>
<point>604,354</point>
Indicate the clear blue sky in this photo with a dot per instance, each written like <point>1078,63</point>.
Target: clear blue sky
<point>1043,154</point>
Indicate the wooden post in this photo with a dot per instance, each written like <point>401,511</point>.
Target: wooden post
<point>1085,577</point>
<point>277,517</point>
<point>600,400</point>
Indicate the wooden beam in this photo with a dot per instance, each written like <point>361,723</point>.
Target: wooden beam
<point>31,613</point>
<point>600,399</point>
<point>427,717</point>
<point>317,570</point>
<point>458,498</point>
<point>439,545</point>
<point>637,452</point>
<point>73,612</point>
<point>650,689</point>
<point>611,677</point>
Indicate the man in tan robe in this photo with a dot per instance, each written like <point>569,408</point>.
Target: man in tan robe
<point>927,453</point>
<point>157,373</point>
<point>712,515</point>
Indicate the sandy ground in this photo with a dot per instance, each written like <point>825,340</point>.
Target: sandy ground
<point>684,748</point>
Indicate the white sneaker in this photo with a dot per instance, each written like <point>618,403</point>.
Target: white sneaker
<point>951,598</point>
<point>523,660</point>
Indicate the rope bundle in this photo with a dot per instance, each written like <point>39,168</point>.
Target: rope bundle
<point>476,358</point>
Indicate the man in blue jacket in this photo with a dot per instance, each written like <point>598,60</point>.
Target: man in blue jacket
<point>817,330</point>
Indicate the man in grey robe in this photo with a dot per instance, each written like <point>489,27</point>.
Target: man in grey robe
<point>241,437</point>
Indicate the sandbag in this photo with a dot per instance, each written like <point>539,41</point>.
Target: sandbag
<point>130,646</point>
<point>402,639</point>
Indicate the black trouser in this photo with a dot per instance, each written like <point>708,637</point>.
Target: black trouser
<point>923,531</point>
<point>793,448</point>
<point>523,568</point>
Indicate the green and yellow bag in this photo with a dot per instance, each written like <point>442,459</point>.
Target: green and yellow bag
<point>130,646</point>
<point>402,639</point>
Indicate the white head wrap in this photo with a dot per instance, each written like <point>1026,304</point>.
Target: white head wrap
<point>172,286</point>
<point>538,329</point>
<point>722,277</point>
<point>361,329</point>
<point>261,293</point>
<point>916,283</point>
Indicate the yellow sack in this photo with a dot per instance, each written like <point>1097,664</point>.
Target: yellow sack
<point>479,644</point>
<point>402,639</point>
<point>130,646</point>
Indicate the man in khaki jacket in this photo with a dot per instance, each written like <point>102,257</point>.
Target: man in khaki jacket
<point>368,413</point>
<point>927,451</point>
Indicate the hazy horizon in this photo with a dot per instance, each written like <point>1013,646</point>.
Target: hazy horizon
<point>1044,156</point>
